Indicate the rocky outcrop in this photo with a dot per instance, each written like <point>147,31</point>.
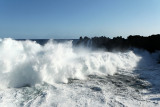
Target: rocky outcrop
<point>150,43</point>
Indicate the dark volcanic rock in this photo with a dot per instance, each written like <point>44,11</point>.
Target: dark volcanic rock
<point>150,43</point>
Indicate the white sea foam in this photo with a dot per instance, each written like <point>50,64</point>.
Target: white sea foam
<point>46,67</point>
<point>28,63</point>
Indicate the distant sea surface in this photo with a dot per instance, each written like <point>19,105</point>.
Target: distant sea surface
<point>44,41</point>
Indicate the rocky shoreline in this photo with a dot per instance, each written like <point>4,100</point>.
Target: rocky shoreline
<point>150,43</point>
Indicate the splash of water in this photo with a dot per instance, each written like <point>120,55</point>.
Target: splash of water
<point>28,63</point>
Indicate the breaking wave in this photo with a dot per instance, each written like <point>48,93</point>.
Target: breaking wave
<point>29,63</point>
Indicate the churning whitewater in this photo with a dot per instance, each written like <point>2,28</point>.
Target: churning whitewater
<point>28,63</point>
<point>60,74</point>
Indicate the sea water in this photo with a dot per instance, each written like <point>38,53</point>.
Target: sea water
<point>60,74</point>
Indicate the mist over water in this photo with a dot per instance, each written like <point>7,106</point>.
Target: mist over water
<point>28,63</point>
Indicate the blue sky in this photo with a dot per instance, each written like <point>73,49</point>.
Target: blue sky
<point>73,18</point>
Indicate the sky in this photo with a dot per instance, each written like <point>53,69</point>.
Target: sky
<point>70,19</point>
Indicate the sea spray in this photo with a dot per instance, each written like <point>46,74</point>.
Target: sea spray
<point>28,63</point>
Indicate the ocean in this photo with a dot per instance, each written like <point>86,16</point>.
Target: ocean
<point>56,73</point>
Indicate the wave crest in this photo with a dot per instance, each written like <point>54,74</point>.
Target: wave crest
<point>28,63</point>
